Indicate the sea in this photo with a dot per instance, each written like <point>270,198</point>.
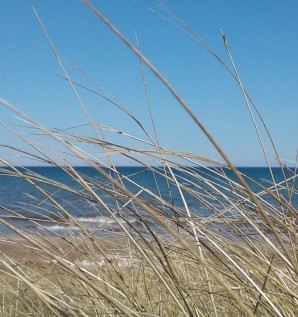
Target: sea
<point>38,206</point>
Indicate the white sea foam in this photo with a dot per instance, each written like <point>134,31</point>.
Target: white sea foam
<point>61,227</point>
<point>119,260</point>
<point>103,220</point>
<point>88,222</point>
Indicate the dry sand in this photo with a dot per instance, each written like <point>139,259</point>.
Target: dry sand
<point>74,249</point>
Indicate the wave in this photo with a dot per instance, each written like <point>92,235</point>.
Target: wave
<point>105,220</point>
<point>60,227</point>
<point>63,219</point>
<point>103,223</point>
<point>120,261</point>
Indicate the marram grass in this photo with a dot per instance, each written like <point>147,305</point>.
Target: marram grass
<point>239,261</point>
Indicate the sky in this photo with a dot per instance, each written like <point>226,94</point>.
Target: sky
<point>262,38</point>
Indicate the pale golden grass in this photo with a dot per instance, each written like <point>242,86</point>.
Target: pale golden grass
<point>170,261</point>
<point>123,273</point>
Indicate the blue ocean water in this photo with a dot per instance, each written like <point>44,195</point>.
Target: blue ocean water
<point>21,199</point>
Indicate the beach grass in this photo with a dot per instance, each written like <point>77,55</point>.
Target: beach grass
<point>158,258</point>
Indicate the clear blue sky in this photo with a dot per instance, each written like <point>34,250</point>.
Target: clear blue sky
<point>262,36</point>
